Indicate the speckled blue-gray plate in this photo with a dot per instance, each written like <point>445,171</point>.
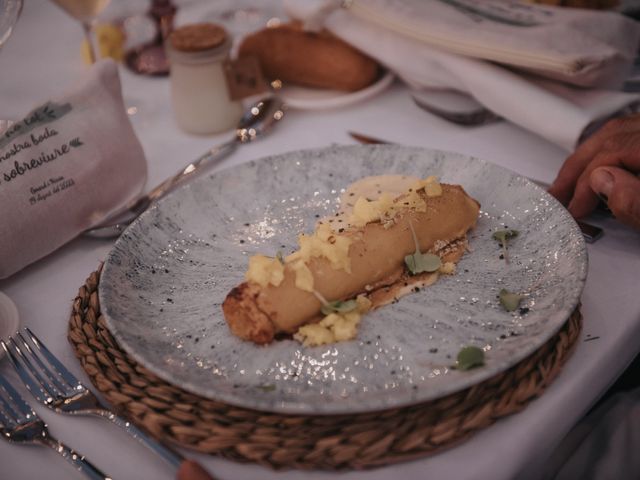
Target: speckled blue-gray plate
<point>164,281</point>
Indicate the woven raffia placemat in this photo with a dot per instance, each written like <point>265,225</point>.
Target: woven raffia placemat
<point>297,441</point>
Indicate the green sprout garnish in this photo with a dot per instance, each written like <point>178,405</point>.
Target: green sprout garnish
<point>510,301</point>
<point>503,237</point>
<point>280,257</point>
<point>469,357</point>
<point>418,262</point>
<point>339,306</point>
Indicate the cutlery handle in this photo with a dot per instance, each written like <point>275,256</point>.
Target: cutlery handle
<point>210,157</point>
<point>74,458</point>
<point>170,456</point>
<point>113,225</point>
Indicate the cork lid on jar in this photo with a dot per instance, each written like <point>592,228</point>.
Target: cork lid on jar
<point>197,37</point>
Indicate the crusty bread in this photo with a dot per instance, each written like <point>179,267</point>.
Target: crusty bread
<point>312,59</point>
<point>376,253</point>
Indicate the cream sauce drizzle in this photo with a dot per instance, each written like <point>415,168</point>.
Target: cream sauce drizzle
<point>371,188</point>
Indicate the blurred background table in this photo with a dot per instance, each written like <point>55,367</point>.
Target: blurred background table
<point>42,59</point>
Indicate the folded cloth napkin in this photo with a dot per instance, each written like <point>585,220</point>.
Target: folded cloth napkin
<point>581,47</point>
<point>65,166</point>
<point>554,110</point>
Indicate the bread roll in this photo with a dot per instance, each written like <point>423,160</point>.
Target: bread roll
<point>376,254</point>
<point>312,59</point>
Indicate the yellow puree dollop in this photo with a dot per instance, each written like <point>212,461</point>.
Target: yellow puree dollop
<point>335,327</point>
<point>265,270</point>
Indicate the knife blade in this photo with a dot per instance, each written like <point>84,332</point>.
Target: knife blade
<point>367,140</point>
<point>591,233</point>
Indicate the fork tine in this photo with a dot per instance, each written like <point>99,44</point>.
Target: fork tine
<point>84,401</point>
<point>51,358</point>
<point>28,427</point>
<point>51,390</point>
<point>16,399</point>
<point>52,375</point>
<point>7,415</point>
<point>37,390</point>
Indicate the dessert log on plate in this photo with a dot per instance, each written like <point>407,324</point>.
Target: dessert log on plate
<point>366,257</point>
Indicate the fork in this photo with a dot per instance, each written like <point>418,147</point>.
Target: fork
<point>20,424</point>
<point>58,389</point>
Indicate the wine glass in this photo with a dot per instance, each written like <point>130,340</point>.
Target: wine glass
<point>151,58</point>
<point>86,12</point>
<point>242,17</point>
<point>9,13</point>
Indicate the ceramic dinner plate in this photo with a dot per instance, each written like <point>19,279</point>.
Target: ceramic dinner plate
<point>304,98</point>
<point>164,281</point>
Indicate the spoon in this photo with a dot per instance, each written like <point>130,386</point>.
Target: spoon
<point>256,121</point>
<point>454,107</point>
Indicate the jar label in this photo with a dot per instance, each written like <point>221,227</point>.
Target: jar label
<point>244,78</point>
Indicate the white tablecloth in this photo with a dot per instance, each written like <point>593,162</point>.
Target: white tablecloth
<point>42,58</point>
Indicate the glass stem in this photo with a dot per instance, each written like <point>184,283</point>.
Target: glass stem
<point>87,27</point>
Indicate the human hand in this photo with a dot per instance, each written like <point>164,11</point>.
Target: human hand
<point>607,165</point>
<point>190,470</point>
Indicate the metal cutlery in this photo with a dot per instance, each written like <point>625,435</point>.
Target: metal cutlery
<point>591,233</point>
<point>58,389</point>
<point>20,424</point>
<point>470,114</point>
<point>257,120</point>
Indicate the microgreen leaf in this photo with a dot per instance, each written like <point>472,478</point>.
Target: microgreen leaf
<point>421,262</point>
<point>280,257</point>
<point>510,301</point>
<point>469,357</point>
<point>503,237</point>
<point>339,306</point>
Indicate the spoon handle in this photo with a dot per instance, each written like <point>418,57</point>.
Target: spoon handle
<point>207,159</point>
<point>115,224</point>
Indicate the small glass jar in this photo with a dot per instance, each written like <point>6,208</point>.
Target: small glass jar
<point>199,91</point>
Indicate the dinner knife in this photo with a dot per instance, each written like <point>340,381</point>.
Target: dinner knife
<point>590,232</point>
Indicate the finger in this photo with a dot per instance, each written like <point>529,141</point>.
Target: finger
<point>584,200</point>
<point>622,189</point>
<point>190,470</point>
<point>622,151</point>
<point>564,184</point>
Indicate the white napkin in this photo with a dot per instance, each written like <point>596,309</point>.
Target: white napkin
<point>67,165</point>
<point>581,47</point>
<point>556,111</point>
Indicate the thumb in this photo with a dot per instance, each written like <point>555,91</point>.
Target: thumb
<point>621,189</point>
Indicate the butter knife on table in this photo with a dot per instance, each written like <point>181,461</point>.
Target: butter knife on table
<point>590,232</point>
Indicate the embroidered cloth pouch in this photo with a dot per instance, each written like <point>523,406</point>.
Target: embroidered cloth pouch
<point>64,167</point>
